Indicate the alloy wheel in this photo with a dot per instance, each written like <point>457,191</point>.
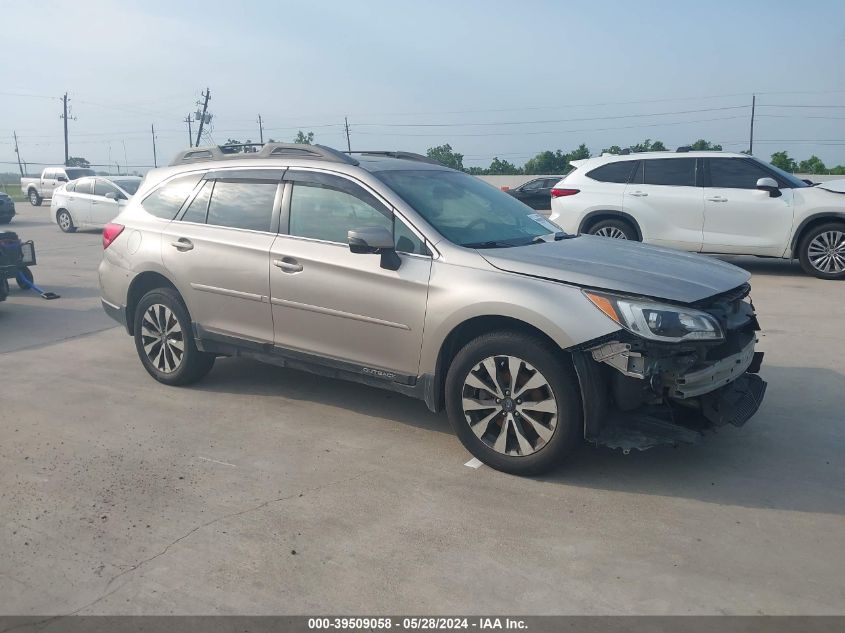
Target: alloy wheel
<point>64,221</point>
<point>509,405</point>
<point>33,198</point>
<point>162,338</point>
<point>612,232</point>
<point>827,252</point>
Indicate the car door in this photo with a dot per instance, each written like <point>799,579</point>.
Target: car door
<point>79,202</point>
<point>48,182</point>
<point>218,249</point>
<point>531,193</point>
<point>665,198</point>
<point>738,217</point>
<point>330,302</point>
<point>103,210</point>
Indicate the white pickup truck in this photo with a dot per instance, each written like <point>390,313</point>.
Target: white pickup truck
<point>37,189</point>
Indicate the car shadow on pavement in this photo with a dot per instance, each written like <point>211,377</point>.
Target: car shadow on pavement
<point>788,457</point>
<point>766,266</point>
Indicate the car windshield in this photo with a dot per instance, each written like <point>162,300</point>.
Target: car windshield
<point>794,182</point>
<point>129,186</point>
<point>73,174</point>
<point>466,210</point>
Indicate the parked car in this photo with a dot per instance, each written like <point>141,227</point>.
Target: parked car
<point>708,202</point>
<point>392,270</point>
<point>41,188</point>
<point>91,202</point>
<point>7,208</point>
<point>536,193</point>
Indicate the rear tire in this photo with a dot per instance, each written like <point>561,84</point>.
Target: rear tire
<point>616,229</point>
<point>822,251</point>
<point>34,199</point>
<point>523,424</point>
<point>164,339</point>
<point>65,221</point>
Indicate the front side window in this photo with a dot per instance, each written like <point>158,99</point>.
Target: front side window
<point>322,212</point>
<point>101,187</point>
<point>466,210</point>
<point>166,201</point>
<point>676,172</point>
<point>406,240</point>
<point>618,171</point>
<point>735,173</point>
<point>242,204</point>
<point>533,185</point>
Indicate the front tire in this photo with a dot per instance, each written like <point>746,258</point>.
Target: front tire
<point>164,341</point>
<point>513,403</point>
<point>616,229</point>
<point>822,251</point>
<point>65,222</point>
<point>34,199</point>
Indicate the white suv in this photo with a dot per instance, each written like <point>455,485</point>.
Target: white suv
<point>708,202</point>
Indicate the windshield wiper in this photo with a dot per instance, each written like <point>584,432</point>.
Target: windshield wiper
<point>488,244</point>
<point>559,235</point>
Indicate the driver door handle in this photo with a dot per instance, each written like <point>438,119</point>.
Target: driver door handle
<point>182,244</point>
<point>717,199</point>
<point>638,194</point>
<point>288,265</point>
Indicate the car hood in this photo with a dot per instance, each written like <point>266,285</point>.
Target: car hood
<point>621,266</point>
<point>835,186</point>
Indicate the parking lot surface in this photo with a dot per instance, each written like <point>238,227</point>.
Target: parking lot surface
<point>262,490</point>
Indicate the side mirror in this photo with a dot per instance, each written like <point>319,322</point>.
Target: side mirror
<point>62,178</point>
<point>375,239</point>
<point>111,195</point>
<point>770,185</point>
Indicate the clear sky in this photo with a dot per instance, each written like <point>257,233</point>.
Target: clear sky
<point>503,79</point>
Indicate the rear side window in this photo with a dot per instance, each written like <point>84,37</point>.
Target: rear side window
<point>86,185</point>
<point>242,204</point>
<point>166,201</point>
<point>71,187</point>
<point>198,209</point>
<point>735,173</point>
<point>677,172</point>
<point>619,171</point>
<point>101,188</point>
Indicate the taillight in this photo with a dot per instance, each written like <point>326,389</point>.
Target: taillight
<point>559,193</point>
<point>110,233</point>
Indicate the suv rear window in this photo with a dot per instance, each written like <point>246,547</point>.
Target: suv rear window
<point>678,172</point>
<point>166,201</point>
<point>242,205</point>
<point>619,171</point>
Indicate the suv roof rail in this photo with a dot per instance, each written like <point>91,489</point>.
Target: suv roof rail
<point>398,154</point>
<point>268,150</point>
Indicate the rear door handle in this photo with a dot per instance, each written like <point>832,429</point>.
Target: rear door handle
<point>717,199</point>
<point>288,265</point>
<point>638,194</point>
<point>182,244</point>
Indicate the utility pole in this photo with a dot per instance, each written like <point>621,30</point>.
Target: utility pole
<point>189,120</point>
<point>64,117</point>
<point>348,143</point>
<point>18,154</point>
<point>207,97</point>
<point>260,129</point>
<point>751,140</point>
<point>153,130</point>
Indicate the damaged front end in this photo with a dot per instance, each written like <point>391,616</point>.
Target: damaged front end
<point>644,390</point>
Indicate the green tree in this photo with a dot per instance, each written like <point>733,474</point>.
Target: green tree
<point>613,149</point>
<point>77,161</point>
<point>446,156</point>
<point>839,170</point>
<point>705,146</point>
<point>783,161</point>
<point>812,165</point>
<point>503,168</point>
<point>649,146</point>
<point>230,142</point>
<point>579,153</point>
<point>304,138</point>
<point>547,162</point>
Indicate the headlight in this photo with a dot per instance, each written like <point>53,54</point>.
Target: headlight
<point>658,321</point>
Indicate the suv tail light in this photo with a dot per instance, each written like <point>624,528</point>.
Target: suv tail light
<point>110,233</point>
<point>559,193</point>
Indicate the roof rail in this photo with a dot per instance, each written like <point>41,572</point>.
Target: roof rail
<point>398,154</point>
<point>268,150</point>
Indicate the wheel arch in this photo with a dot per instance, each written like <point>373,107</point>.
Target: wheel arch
<point>807,225</point>
<point>608,214</point>
<point>141,285</point>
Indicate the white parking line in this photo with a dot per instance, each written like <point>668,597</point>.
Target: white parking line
<point>474,463</point>
<point>207,459</point>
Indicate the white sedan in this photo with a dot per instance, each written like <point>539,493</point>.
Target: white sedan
<point>91,202</point>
